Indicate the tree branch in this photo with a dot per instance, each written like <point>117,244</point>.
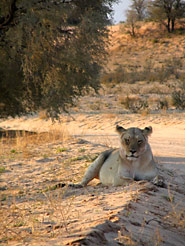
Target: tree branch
<point>6,20</point>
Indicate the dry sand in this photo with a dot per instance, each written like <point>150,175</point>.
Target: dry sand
<point>139,214</point>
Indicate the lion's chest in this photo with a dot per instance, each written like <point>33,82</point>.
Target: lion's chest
<point>130,170</point>
<point>115,171</point>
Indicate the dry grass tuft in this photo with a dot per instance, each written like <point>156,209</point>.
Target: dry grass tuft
<point>36,219</point>
<point>126,239</point>
<point>176,217</point>
<point>24,144</point>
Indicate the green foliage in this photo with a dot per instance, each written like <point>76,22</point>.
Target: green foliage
<point>59,150</point>
<point>81,150</point>
<point>51,53</point>
<point>13,151</point>
<point>3,198</point>
<point>19,224</point>
<point>2,169</point>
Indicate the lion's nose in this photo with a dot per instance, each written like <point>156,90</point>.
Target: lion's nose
<point>133,151</point>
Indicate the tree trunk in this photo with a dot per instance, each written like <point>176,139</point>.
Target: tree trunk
<point>168,25</point>
<point>173,25</point>
<point>133,30</point>
<point>5,20</point>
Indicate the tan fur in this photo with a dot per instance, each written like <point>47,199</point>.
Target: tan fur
<point>132,161</point>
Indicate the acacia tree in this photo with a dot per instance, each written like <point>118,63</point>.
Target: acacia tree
<point>166,12</point>
<point>132,21</point>
<point>51,52</point>
<point>140,7</point>
<point>135,13</point>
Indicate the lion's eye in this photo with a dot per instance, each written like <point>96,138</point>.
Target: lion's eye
<point>139,141</point>
<point>127,141</point>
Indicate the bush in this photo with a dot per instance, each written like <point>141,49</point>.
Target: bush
<point>163,104</point>
<point>178,99</point>
<point>148,72</point>
<point>134,104</point>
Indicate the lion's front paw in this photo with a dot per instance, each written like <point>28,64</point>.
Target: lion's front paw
<point>159,181</point>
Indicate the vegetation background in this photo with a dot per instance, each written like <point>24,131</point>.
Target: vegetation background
<point>53,52</point>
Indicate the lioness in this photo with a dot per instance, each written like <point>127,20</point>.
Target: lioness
<point>132,161</point>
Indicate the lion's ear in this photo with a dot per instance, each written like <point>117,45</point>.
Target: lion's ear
<point>120,129</point>
<point>147,131</point>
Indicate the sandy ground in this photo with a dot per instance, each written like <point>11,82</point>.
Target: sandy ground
<point>138,214</point>
<point>35,207</point>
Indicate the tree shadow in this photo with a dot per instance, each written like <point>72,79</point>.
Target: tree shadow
<point>170,160</point>
<point>15,133</point>
<point>172,163</point>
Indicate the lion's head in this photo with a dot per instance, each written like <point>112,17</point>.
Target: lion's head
<point>134,141</point>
